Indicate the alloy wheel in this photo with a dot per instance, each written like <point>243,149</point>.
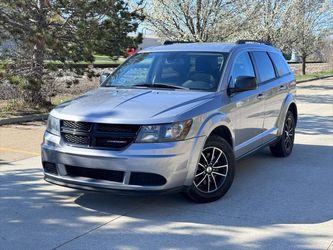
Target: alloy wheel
<point>212,170</point>
<point>289,132</point>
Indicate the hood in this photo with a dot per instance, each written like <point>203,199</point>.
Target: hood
<point>139,106</point>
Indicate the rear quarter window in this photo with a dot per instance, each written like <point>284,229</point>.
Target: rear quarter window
<point>264,65</point>
<point>280,64</point>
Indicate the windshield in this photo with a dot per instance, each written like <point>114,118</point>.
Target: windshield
<point>177,70</point>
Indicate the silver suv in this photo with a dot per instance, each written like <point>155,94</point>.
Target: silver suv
<point>174,118</point>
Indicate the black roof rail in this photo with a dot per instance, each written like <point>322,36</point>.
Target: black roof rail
<point>245,41</point>
<point>168,42</point>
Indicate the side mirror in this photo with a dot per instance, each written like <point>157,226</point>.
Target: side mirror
<point>243,83</point>
<point>103,77</point>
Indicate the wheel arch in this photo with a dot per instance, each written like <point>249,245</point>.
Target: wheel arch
<point>224,132</point>
<point>288,104</point>
<point>293,108</point>
<point>218,124</point>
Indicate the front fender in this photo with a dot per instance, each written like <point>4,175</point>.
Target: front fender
<point>204,129</point>
<point>213,121</point>
<point>289,100</point>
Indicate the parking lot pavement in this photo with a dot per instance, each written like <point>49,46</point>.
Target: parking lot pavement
<point>274,203</point>
<point>20,141</point>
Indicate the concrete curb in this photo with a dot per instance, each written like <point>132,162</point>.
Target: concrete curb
<point>313,79</point>
<point>26,118</point>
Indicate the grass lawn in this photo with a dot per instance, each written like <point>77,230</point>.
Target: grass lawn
<point>102,57</point>
<point>58,99</point>
<point>12,108</point>
<point>314,75</point>
<point>99,59</point>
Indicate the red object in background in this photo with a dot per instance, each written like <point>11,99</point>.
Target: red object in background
<point>131,51</point>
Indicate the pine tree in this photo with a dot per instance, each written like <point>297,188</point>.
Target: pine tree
<point>62,30</point>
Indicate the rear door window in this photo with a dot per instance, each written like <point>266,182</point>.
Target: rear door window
<point>264,65</point>
<point>280,64</point>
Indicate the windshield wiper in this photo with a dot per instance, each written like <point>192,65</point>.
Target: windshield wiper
<point>160,85</point>
<point>145,85</point>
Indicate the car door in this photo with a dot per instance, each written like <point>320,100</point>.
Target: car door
<point>274,91</point>
<point>249,108</point>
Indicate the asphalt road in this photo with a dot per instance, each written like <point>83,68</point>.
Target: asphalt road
<point>273,204</point>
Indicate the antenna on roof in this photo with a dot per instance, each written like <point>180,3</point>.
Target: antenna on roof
<point>247,41</point>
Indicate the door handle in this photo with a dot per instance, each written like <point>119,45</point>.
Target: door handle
<point>283,87</point>
<point>260,96</point>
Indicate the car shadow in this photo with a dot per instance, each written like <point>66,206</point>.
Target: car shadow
<point>315,87</point>
<point>308,125</point>
<point>266,189</point>
<point>267,192</point>
<point>315,99</point>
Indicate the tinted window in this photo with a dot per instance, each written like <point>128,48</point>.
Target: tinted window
<point>134,71</point>
<point>280,64</point>
<point>264,65</point>
<point>242,66</point>
<point>193,70</point>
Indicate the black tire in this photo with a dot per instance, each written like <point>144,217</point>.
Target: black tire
<point>219,166</point>
<point>284,146</point>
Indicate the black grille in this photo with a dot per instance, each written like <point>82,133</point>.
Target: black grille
<point>76,139</point>
<point>111,142</point>
<point>98,135</point>
<point>82,126</point>
<point>50,168</point>
<point>146,179</point>
<point>117,128</point>
<point>100,174</point>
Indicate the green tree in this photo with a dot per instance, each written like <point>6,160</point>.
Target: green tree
<point>62,30</point>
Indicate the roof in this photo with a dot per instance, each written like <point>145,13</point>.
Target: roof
<point>206,47</point>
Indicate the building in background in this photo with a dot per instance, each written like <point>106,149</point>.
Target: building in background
<point>294,57</point>
<point>149,41</point>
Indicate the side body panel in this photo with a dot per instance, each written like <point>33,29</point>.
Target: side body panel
<point>275,96</point>
<point>274,92</point>
<point>249,114</point>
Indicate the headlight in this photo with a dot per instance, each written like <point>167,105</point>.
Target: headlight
<point>53,125</point>
<point>164,132</point>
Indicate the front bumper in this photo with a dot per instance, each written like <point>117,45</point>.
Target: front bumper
<point>174,161</point>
